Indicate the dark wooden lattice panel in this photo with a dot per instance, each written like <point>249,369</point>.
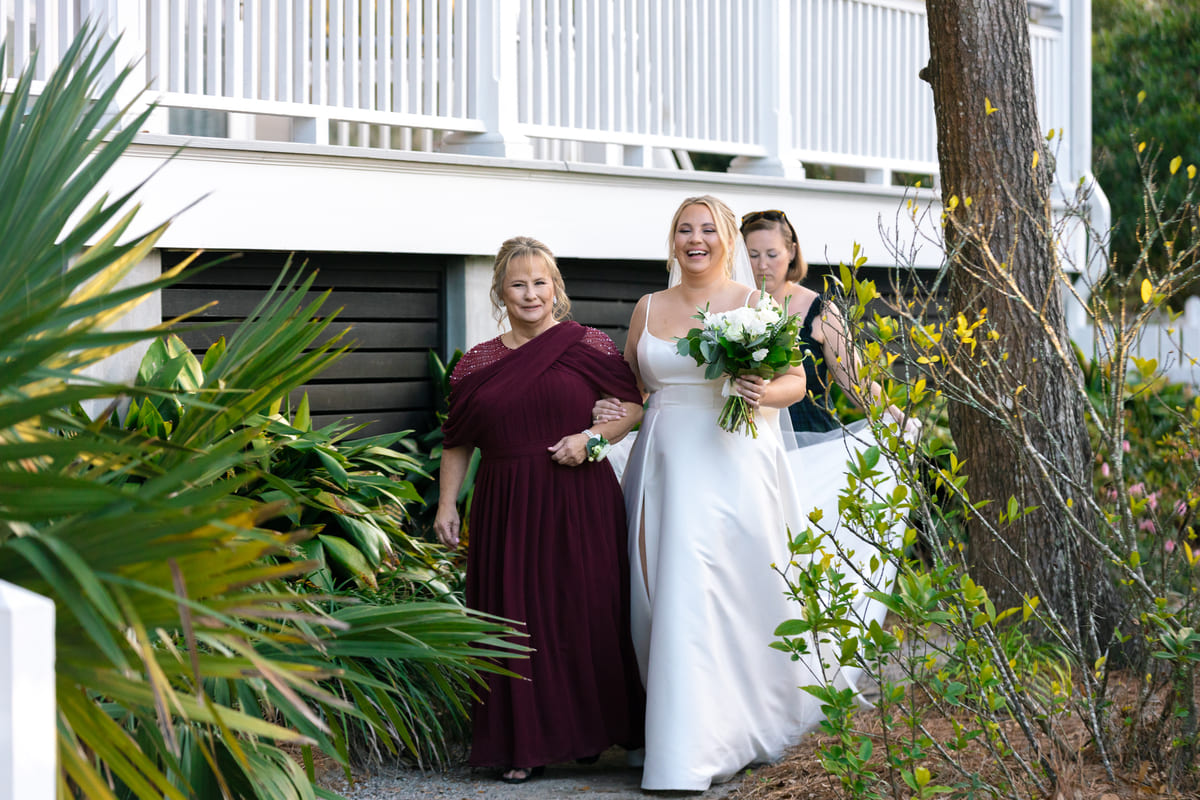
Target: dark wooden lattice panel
<point>392,305</point>
<point>604,293</point>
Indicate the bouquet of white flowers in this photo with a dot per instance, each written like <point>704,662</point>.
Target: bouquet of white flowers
<point>750,340</point>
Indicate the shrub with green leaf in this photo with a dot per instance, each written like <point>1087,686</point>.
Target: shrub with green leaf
<point>1015,686</point>
<point>185,659</point>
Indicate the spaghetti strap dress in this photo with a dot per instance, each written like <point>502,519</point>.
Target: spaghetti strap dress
<point>709,514</point>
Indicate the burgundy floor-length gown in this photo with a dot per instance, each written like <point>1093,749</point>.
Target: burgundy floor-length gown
<point>547,547</point>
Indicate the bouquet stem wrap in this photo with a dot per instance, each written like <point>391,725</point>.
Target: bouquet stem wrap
<point>736,415</point>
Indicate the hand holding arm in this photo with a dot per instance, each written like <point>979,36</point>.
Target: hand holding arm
<point>607,409</point>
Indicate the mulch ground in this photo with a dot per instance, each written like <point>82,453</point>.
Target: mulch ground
<point>1079,773</point>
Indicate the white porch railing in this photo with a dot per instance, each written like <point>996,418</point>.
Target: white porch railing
<point>1174,344</point>
<point>773,82</point>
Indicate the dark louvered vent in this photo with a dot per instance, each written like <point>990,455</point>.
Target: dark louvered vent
<point>604,293</point>
<point>392,304</point>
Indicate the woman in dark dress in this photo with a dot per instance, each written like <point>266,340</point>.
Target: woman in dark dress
<point>779,266</point>
<point>547,527</point>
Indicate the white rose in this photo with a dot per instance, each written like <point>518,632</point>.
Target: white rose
<point>760,354</point>
<point>753,323</point>
<point>766,301</point>
<point>768,316</point>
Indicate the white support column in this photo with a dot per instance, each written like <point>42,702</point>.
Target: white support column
<point>479,321</point>
<point>1078,76</point>
<point>879,176</point>
<point>125,22</point>
<point>775,104</point>
<point>494,90</point>
<point>28,743</point>
<point>1076,24</point>
<point>313,130</point>
<point>122,367</point>
<point>602,153</point>
<point>637,156</point>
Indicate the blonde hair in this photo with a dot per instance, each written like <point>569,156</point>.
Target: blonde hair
<point>724,219</point>
<point>527,247</point>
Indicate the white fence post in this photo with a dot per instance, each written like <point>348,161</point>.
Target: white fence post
<point>493,84</point>
<point>28,743</point>
<point>124,22</point>
<point>775,100</point>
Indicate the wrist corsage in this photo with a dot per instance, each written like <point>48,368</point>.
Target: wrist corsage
<point>597,446</point>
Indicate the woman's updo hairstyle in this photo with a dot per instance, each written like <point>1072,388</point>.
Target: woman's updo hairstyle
<point>775,220</point>
<point>520,247</point>
<point>726,224</point>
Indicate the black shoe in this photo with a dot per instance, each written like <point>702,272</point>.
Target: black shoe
<point>530,773</point>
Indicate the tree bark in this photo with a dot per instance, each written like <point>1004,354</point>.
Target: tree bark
<point>988,135</point>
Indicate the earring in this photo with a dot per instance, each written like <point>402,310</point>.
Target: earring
<point>554,301</point>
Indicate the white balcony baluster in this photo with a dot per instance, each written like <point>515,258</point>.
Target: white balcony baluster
<point>773,83</point>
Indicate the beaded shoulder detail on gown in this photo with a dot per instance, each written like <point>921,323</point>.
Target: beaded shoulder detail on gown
<point>481,355</point>
<point>599,340</point>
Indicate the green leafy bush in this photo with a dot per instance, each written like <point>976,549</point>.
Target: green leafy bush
<point>185,660</point>
<point>1145,86</point>
<point>1014,685</point>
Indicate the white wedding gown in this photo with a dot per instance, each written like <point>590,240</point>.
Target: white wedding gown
<point>714,510</point>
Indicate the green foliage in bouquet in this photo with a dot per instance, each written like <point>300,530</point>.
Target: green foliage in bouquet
<point>749,340</point>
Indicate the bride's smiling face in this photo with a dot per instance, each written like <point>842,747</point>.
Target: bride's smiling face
<point>698,246</point>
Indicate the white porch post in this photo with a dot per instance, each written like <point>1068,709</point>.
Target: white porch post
<point>494,86</point>
<point>1091,257</point>
<point>775,107</point>
<point>124,22</point>
<point>479,322</point>
<point>28,744</point>
<point>469,317</point>
<point>122,367</point>
<point>1078,35</point>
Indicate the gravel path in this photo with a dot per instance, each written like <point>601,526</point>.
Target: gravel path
<point>609,778</point>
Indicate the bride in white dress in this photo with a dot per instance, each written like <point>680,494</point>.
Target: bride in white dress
<point>709,513</point>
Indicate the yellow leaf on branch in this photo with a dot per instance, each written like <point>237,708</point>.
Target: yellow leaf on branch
<point>1147,290</point>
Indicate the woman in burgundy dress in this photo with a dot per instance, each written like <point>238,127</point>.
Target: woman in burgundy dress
<point>547,533</point>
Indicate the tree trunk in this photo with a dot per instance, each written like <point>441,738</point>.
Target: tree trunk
<point>988,136</point>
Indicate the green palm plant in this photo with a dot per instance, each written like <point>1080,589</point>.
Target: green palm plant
<point>413,662</point>
<point>184,659</point>
<point>352,493</point>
